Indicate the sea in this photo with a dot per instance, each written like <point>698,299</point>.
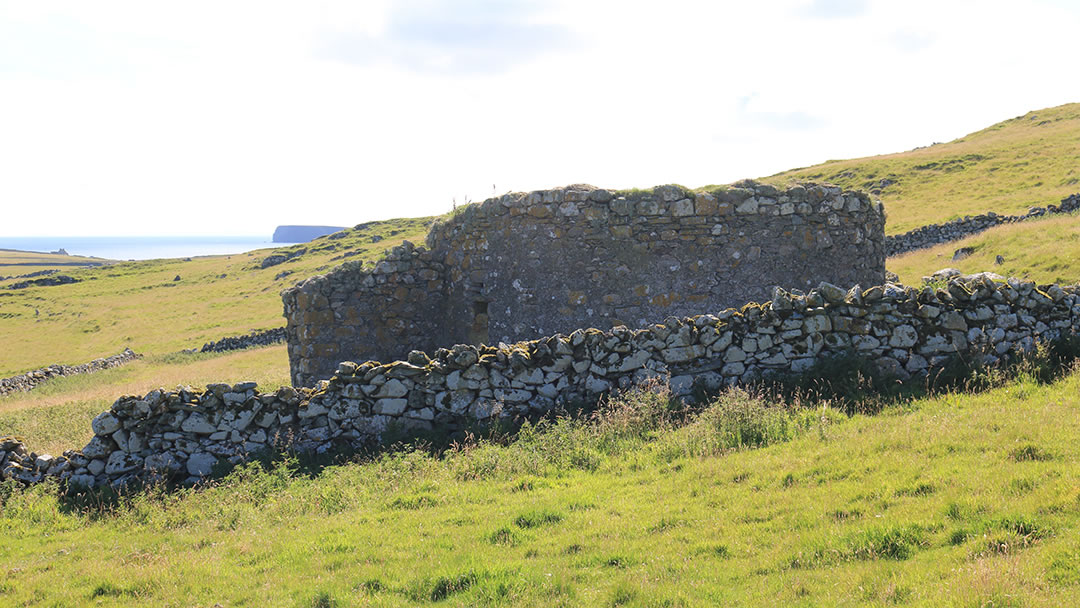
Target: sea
<point>139,247</point>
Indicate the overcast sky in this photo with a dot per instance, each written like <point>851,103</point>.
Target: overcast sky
<point>231,117</point>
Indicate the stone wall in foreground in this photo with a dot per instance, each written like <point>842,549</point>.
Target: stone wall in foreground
<point>907,331</point>
<point>935,234</point>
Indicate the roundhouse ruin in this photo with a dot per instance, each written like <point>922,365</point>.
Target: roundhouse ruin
<point>525,265</point>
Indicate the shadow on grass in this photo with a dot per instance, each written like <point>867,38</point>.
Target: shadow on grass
<point>855,385</point>
<point>583,435</point>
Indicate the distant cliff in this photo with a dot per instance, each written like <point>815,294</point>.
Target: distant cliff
<point>302,234</point>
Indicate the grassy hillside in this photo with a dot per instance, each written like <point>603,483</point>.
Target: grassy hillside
<point>1045,250</point>
<point>15,263</point>
<point>163,306</point>
<point>960,500</point>
<point>1031,160</point>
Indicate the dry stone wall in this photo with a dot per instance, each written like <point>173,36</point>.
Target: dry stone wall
<point>525,265</point>
<point>935,234</point>
<point>27,381</point>
<point>255,338</point>
<point>48,281</point>
<point>906,331</point>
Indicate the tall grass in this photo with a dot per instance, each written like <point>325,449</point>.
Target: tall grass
<point>740,500</point>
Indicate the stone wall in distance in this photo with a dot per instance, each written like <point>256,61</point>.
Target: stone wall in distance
<point>935,234</point>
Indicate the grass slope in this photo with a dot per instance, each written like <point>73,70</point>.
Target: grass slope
<point>1031,160</point>
<point>1045,251</point>
<point>954,501</point>
<point>14,263</point>
<point>140,305</point>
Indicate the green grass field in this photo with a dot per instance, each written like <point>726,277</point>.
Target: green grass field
<point>14,263</point>
<point>1031,160</point>
<point>958,500</point>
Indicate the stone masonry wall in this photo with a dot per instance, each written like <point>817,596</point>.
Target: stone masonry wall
<point>907,331</point>
<point>348,313</point>
<point>27,381</point>
<point>255,338</point>
<point>935,234</point>
<point>525,265</point>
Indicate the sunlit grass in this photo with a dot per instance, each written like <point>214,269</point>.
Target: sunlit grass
<point>1045,251</point>
<point>926,505</point>
<point>56,415</point>
<point>1031,160</point>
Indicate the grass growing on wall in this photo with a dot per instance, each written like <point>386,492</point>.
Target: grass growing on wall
<point>959,500</point>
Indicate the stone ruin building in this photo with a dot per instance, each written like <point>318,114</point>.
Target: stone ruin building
<point>525,265</point>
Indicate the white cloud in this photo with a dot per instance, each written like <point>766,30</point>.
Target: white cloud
<point>233,117</point>
<point>458,37</point>
<point>831,9</point>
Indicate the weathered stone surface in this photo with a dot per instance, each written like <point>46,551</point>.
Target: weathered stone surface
<point>197,423</point>
<point>391,407</point>
<point>904,336</point>
<point>393,388</point>
<point>832,293</point>
<point>99,447</point>
<point>200,464</point>
<point>119,463</point>
<point>631,259</point>
<point>105,423</point>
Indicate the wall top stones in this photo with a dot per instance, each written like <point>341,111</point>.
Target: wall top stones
<point>745,199</point>
<point>524,265</point>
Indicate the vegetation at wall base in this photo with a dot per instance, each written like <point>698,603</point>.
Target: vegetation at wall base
<point>961,499</point>
<point>854,384</point>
